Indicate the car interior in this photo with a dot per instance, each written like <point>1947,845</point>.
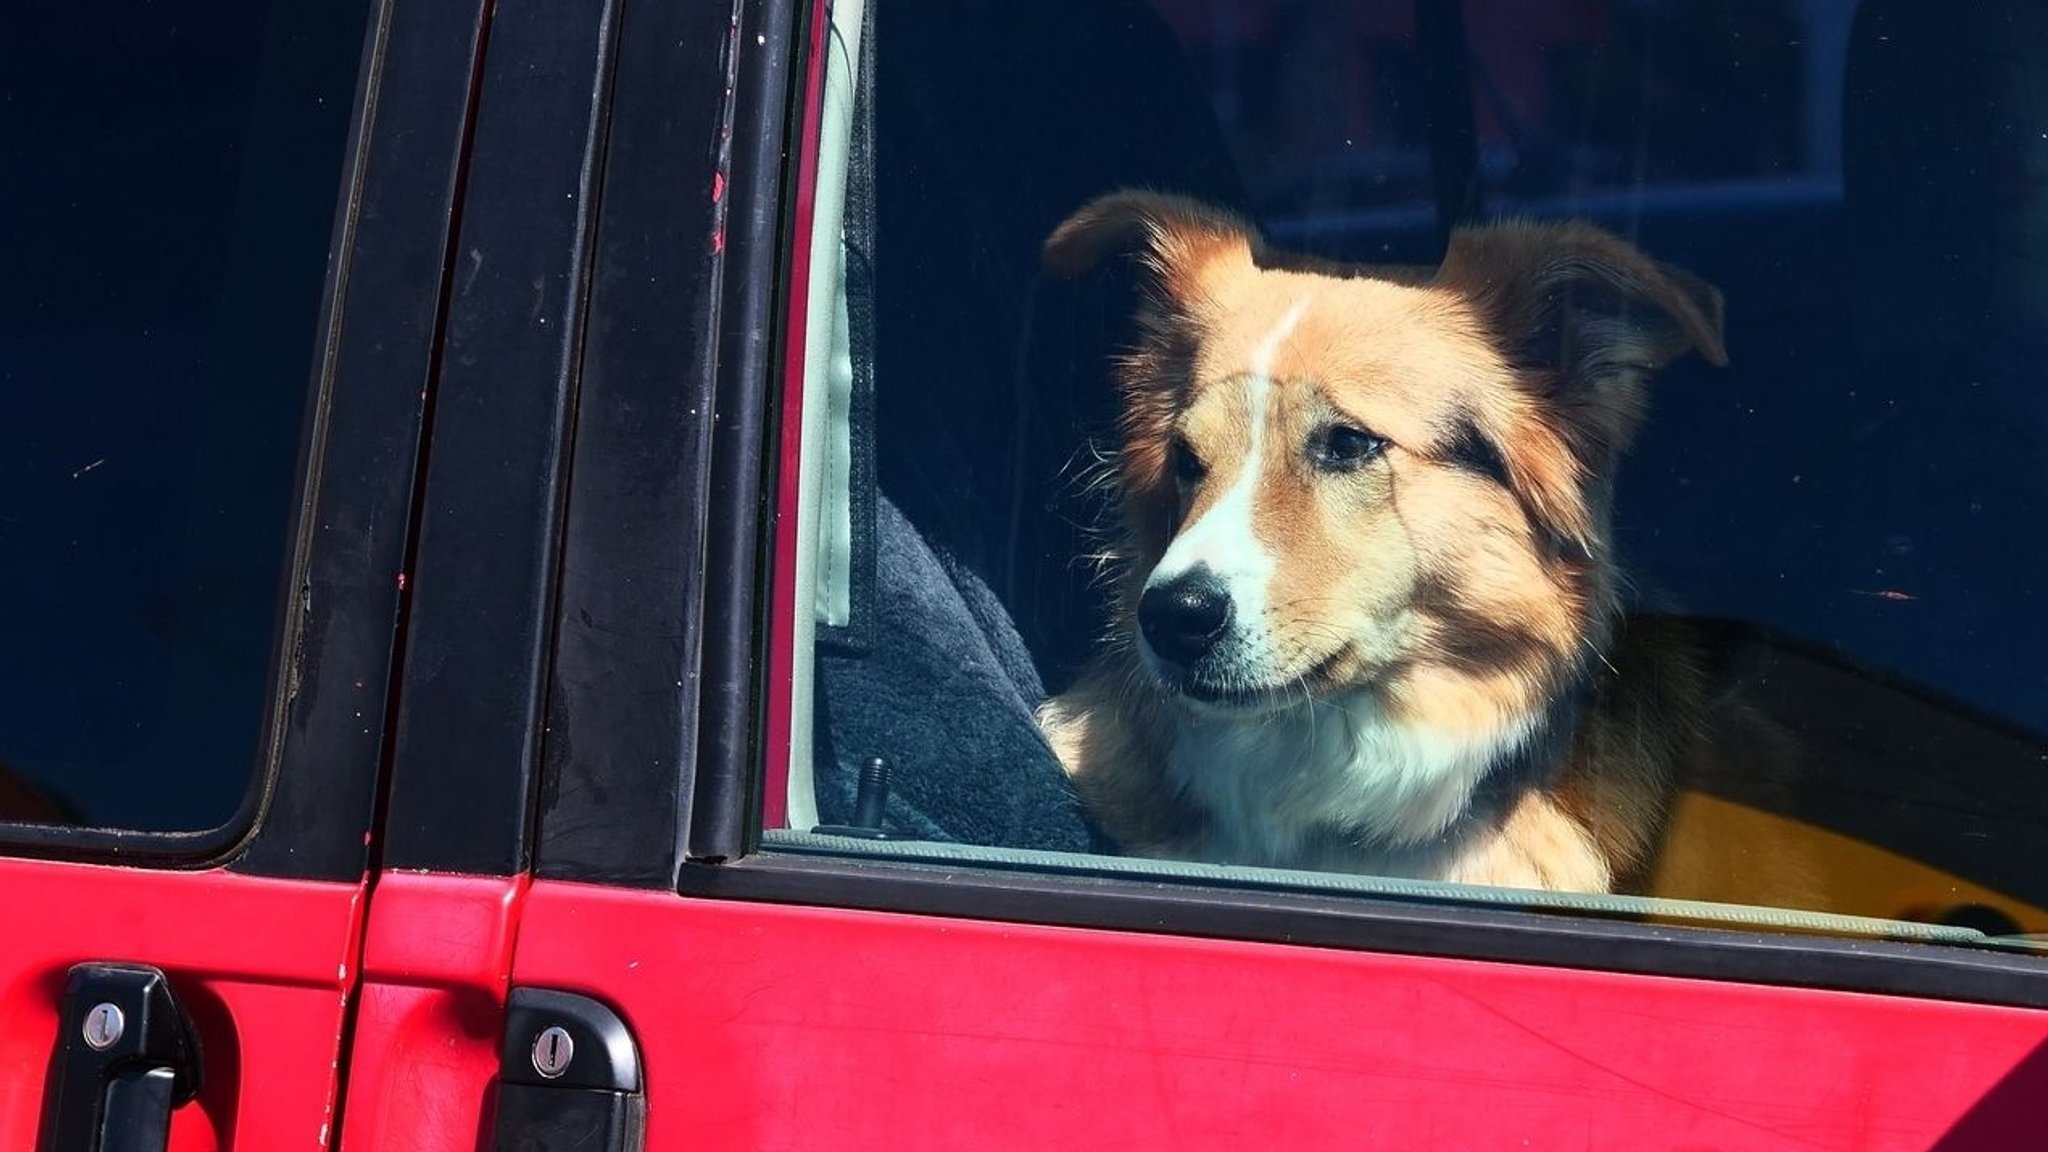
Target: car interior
<point>1853,506</point>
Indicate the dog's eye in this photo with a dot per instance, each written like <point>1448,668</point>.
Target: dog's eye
<point>1187,467</point>
<point>1342,448</point>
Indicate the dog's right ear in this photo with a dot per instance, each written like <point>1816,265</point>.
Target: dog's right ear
<point>1178,238</point>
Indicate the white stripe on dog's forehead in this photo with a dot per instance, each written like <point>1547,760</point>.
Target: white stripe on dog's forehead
<point>1269,348</point>
<point>1225,539</point>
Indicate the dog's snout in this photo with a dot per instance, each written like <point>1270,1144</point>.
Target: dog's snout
<point>1184,617</point>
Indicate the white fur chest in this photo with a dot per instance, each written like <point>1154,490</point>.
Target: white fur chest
<point>1281,788</point>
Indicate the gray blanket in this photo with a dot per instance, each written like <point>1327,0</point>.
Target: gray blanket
<point>945,694</point>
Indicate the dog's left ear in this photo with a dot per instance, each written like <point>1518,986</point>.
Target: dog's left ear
<point>1588,304</point>
<point>1179,239</point>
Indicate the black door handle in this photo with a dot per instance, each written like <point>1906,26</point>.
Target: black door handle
<point>126,1057</point>
<point>569,1077</point>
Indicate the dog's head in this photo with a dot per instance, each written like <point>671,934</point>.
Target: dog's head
<point>1337,479</point>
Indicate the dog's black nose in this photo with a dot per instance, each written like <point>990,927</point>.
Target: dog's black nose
<point>1183,618</point>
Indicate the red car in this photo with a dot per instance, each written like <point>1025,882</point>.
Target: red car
<point>595,712</point>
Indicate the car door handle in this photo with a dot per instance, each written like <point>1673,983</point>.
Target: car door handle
<point>126,1058</point>
<point>568,1077</point>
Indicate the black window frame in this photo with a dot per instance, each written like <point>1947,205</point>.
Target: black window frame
<point>650,697</point>
<point>655,712</point>
<point>468,728</point>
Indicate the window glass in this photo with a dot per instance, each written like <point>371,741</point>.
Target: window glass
<point>1578,454</point>
<point>168,173</point>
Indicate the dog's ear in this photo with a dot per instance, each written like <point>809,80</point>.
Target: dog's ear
<point>1178,238</point>
<point>1576,299</point>
<point>1585,319</point>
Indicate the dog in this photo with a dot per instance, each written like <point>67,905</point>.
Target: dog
<point>1367,612</point>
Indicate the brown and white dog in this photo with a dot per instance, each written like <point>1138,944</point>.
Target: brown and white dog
<point>1368,616</point>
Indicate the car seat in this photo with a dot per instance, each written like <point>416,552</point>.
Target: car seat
<point>990,123</point>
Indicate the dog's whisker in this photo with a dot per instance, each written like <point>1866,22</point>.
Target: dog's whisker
<point>1601,656</point>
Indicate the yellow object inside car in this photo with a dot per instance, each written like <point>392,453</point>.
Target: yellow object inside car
<point>1836,873</point>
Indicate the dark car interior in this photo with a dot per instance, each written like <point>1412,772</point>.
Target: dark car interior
<point>168,177</point>
<point>1856,500</point>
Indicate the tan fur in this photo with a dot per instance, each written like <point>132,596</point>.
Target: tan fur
<point>1540,845</point>
<point>1453,592</point>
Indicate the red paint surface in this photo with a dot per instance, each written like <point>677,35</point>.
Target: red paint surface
<point>769,1027</point>
<point>435,961</point>
<point>261,966</point>
<point>782,622</point>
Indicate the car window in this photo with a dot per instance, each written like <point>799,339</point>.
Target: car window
<point>1578,455</point>
<point>169,173</point>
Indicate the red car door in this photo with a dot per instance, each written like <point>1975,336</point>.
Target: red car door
<point>862,985</point>
<point>203,603</point>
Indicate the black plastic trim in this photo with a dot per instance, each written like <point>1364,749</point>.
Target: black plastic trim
<point>1360,923</point>
<point>366,449</point>
<point>661,612</point>
<point>723,807</point>
<point>469,715</point>
<point>622,708</point>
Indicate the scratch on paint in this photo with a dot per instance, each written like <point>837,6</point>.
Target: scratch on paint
<point>717,212</point>
<point>1542,1035</point>
<point>722,159</point>
<point>88,467</point>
